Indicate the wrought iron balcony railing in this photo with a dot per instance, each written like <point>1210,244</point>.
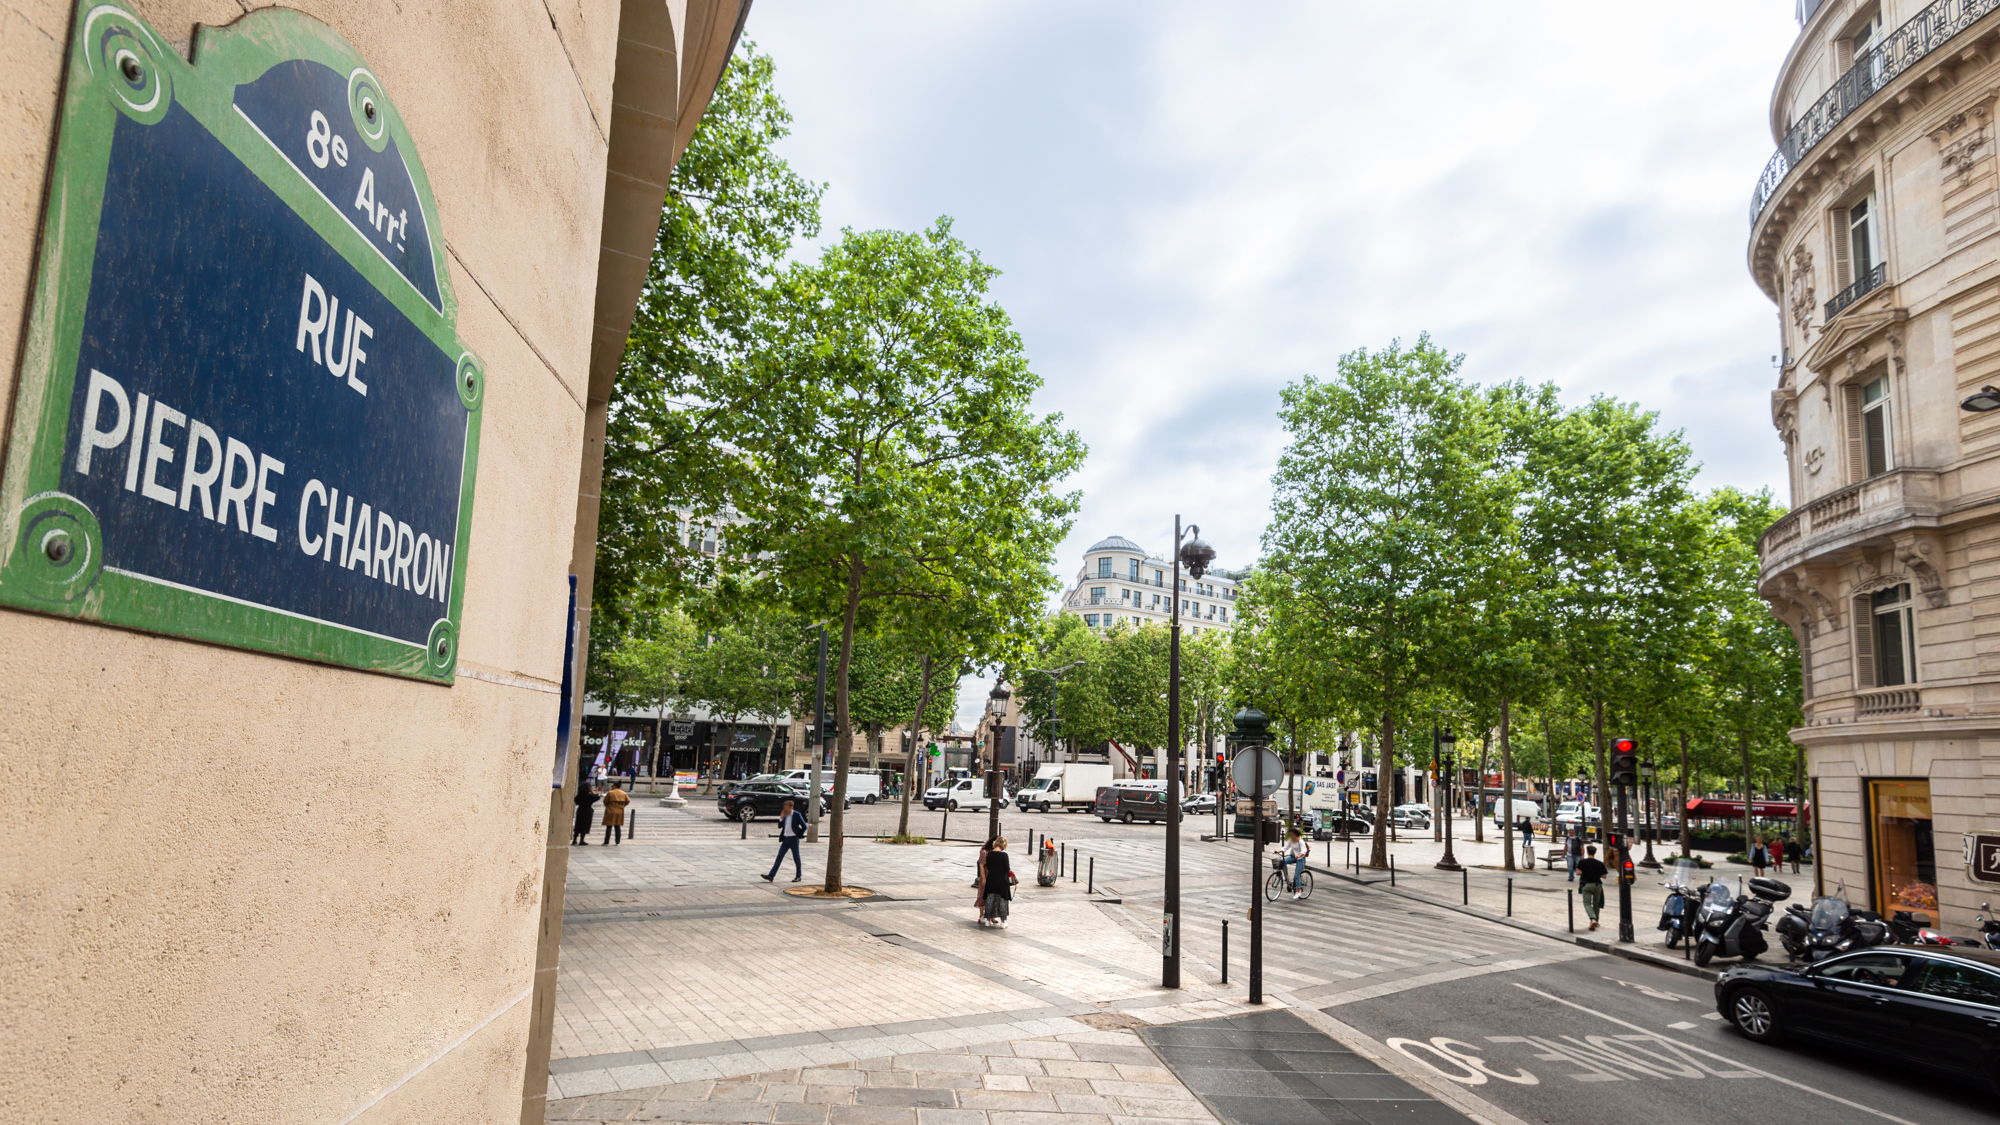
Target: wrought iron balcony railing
<point>1900,50</point>
<point>1865,284</point>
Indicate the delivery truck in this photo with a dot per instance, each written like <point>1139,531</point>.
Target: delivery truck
<point>1067,786</point>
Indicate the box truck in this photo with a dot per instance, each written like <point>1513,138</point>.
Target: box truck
<point>1067,786</point>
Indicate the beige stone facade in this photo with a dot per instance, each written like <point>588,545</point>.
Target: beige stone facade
<point>1121,583</point>
<point>1876,229</point>
<point>243,888</point>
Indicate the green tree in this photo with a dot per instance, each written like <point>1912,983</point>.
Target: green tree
<point>733,212</point>
<point>1385,477</point>
<point>884,457</point>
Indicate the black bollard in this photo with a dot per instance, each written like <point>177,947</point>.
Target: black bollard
<point>1092,888</point>
<point>1225,951</point>
<point>1510,898</point>
<point>1073,865</point>
<point>1392,870</point>
<point>745,834</point>
<point>1572,911</point>
<point>1465,887</point>
<point>944,830</point>
<point>632,827</point>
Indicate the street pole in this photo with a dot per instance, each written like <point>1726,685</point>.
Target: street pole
<point>1437,775</point>
<point>818,741</point>
<point>998,696</point>
<point>1256,879</point>
<point>1449,754</point>
<point>1646,797</point>
<point>1170,947</point>
<point>1624,888</point>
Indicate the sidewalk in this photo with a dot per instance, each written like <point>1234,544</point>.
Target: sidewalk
<point>1541,900</point>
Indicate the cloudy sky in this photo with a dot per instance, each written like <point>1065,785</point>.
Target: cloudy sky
<point>1194,204</point>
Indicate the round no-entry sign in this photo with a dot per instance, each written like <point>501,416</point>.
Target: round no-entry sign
<point>1243,769</point>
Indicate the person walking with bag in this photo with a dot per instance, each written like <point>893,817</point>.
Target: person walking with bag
<point>791,829</point>
<point>1590,873</point>
<point>614,814</point>
<point>996,885</point>
<point>1573,854</point>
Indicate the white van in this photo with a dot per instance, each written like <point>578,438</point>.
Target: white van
<point>964,793</point>
<point>1506,809</point>
<point>863,785</point>
<point>1571,813</point>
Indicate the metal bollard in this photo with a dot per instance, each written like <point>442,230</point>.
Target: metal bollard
<point>944,830</point>
<point>1225,951</point>
<point>632,827</point>
<point>1062,860</point>
<point>1465,887</point>
<point>1073,865</point>
<point>1392,871</point>
<point>1510,897</point>
<point>1092,887</point>
<point>745,835</point>
<point>1572,911</point>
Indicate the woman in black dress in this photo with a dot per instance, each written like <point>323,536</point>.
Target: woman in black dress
<point>586,799</point>
<point>996,885</point>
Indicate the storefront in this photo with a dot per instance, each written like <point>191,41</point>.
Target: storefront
<point>1902,859</point>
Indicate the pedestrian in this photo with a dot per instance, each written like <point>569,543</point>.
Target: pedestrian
<point>996,885</point>
<point>614,814</point>
<point>1296,852</point>
<point>1759,859</point>
<point>1777,854</point>
<point>1795,851</point>
<point>1590,872</point>
<point>979,867</point>
<point>1527,828</point>
<point>791,829</point>
<point>1573,854</point>
<point>586,799</point>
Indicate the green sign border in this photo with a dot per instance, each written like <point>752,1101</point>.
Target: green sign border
<point>51,549</point>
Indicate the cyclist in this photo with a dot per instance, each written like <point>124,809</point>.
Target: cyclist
<point>1295,852</point>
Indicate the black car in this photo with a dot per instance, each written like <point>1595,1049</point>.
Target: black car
<point>1933,1007</point>
<point>752,799</point>
<point>1129,805</point>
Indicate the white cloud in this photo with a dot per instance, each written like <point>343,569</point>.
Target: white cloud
<point>1195,203</point>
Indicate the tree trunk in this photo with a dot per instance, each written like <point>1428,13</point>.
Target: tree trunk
<point>911,759</point>
<point>875,747</point>
<point>1485,753</point>
<point>1507,784</point>
<point>843,729</point>
<point>1749,794</point>
<point>1384,795</point>
<point>1687,834</point>
<point>1548,759</point>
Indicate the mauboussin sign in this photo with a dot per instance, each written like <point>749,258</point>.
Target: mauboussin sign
<point>245,416</point>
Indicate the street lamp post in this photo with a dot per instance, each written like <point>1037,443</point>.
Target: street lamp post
<point>1196,555</point>
<point>1448,752</point>
<point>1646,799</point>
<point>1055,676</point>
<point>999,696</point>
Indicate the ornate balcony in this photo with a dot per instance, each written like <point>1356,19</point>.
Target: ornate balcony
<point>1898,500</point>
<point>1865,284</point>
<point>1900,50</point>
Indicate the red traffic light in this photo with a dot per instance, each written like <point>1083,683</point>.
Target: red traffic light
<point>1624,745</point>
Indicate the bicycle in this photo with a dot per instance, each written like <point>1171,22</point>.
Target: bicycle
<point>1279,883</point>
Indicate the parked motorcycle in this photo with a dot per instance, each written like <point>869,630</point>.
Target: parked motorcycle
<point>1733,925</point>
<point>1831,926</point>
<point>1909,928</point>
<point>1678,912</point>
<point>1989,929</point>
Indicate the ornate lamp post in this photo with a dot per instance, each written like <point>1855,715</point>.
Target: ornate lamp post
<point>1195,555</point>
<point>1645,791</point>
<point>998,707</point>
<point>1448,755</point>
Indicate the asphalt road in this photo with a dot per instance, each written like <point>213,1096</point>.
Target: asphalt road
<point>1604,1039</point>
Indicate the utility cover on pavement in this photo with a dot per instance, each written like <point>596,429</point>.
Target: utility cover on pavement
<point>1243,770</point>
<point>244,415</point>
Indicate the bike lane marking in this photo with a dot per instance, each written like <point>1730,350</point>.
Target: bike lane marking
<point>1778,1078</point>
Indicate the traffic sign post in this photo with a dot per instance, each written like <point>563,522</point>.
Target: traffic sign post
<point>1252,766</point>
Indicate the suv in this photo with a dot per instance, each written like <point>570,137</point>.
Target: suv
<point>1129,805</point>
<point>753,799</point>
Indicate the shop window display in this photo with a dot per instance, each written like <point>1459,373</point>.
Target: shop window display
<point>1905,865</point>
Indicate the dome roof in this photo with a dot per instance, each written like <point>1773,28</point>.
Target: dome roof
<point>1116,543</point>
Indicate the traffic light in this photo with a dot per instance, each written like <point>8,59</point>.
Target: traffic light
<point>1624,762</point>
<point>1625,873</point>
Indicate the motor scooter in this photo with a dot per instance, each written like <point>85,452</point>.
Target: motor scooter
<point>1677,914</point>
<point>1831,926</point>
<point>1733,925</point>
<point>1989,929</point>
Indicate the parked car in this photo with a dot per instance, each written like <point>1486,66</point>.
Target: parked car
<point>1119,802</point>
<point>1931,1007</point>
<point>1199,803</point>
<point>749,800</point>
<point>1333,823</point>
<point>1410,816</point>
<point>1571,813</point>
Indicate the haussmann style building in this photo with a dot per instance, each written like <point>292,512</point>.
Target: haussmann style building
<point>1876,230</point>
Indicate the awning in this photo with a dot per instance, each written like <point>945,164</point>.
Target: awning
<point>1718,809</point>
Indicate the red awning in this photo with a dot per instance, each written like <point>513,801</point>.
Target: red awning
<point>1718,809</point>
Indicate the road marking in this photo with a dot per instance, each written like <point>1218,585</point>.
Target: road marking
<point>1780,1079</point>
<point>1684,1025</point>
<point>1649,990</point>
<point>1711,1015</point>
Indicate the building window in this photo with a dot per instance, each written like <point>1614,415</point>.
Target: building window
<point>1856,241</point>
<point>1225,617</point>
<point>1157,579</point>
<point>1136,621</point>
<point>1104,567</point>
<point>1903,861</point>
<point>1133,571</point>
<point>1852,51</point>
<point>1090,619</point>
<point>1097,595</point>
<point>1885,645</point>
<point>1870,429</point>
<point>1156,601</point>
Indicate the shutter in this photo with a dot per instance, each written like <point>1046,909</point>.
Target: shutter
<point>1843,265</point>
<point>1857,434</point>
<point>1864,644</point>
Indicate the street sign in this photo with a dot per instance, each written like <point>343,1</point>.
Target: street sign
<point>245,415</point>
<point>1243,770</point>
<point>1985,858</point>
